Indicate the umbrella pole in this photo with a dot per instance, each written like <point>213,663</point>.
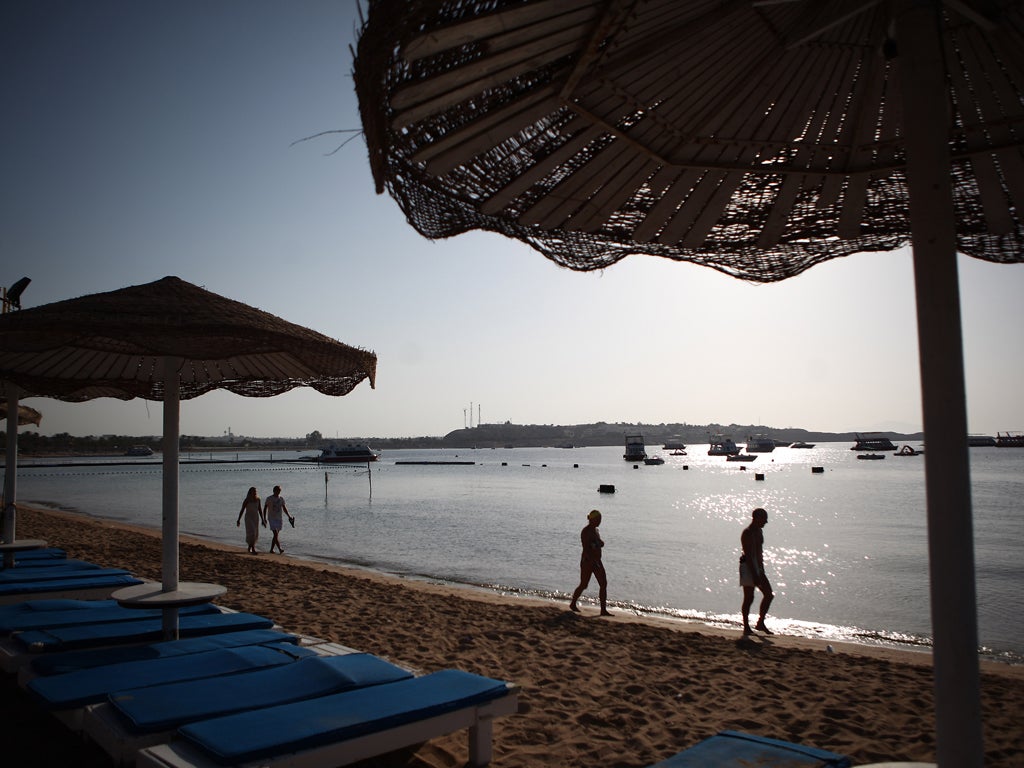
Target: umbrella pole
<point>950,531</point>
<point>169,569</point>
<point>10,467</point>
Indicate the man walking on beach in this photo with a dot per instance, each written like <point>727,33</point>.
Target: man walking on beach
<point>752,571</point>
<point>273,508</point>
<point>590,562</point>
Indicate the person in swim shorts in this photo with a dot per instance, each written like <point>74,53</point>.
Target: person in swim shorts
<point>273,509</point>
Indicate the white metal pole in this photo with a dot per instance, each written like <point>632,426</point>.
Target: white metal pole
<point>169,569</point>
<point>922,68</point>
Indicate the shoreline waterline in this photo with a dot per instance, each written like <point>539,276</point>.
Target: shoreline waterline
<point>800,634</point>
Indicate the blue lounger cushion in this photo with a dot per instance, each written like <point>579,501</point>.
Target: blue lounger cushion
<point>46,562</point>
<point>70,661</point>
<point>93,685</point>
<point>315,722</point>
<point>732,749</point>
<point>47,572</point>
<point>99,614</point>
<point>165,707</point>
<point>35,607</point>
<point>139,631</point>
<point>81,583</point>
<point>43,553</point>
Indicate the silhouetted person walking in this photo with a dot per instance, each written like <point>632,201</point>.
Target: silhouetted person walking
<point>752,571</point>
<point>590,562</point>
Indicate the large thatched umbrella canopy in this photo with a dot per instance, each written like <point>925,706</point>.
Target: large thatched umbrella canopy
<point>168,341</point>
<point>757,137</point>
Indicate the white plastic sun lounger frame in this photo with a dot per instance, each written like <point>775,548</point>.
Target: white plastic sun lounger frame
<point>478,719</point>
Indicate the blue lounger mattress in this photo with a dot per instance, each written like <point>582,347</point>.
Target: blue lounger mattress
<point>36,607</point>
<point>315,722</point>
<point>139,631</point>
<point>102,613</point>
<point>46,562</point>
<point>82,582</point>
<point>732,749</point>
<point>170,706</point>
<point>43,553</point>
<point>52,572</point>
<point>70,661</point>
<point>93,685</point>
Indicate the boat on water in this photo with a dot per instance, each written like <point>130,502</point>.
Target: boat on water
<point>801,444</point>
<point>741,457</point>
<point>654,460</point>
<point>871,456</point>
<point>674,445</point>
<point>980,441</point>
<point>1010,440</point>
<point>720,445</point>
<point>678,452</point>
<point>873,441</point>
<point>906,450</point>
<point>347,454</point>
<point>760,444</point>
<point>139,450</point>
<point>635,448</point>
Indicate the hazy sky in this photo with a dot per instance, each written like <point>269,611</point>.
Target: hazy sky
<point>144,139</point>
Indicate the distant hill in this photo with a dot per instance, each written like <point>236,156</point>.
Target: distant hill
<point>602,433</point>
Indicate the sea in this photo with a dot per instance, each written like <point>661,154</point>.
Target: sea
<point>845,543</point>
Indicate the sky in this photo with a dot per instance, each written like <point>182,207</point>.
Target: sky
<point>145,139</point>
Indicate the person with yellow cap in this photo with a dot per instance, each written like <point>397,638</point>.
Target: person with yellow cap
<point>591,564</point>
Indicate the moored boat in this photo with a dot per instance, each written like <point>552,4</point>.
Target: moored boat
<point>760,444</point>
<point>906,450</point>
<point>635,448</point>
<point>801,444</point>
<point>871,456</point>
<point>139,450</point>
<point>654,460</point>
<point>346,454</point>
<point>873,441</point>
<point>741,457</point>
<point>1010,440</point>
<point>719,445</point>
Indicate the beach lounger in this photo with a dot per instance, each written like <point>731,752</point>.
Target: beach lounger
<point>68,695</point>
<point>18,649</point>
<point>46,562</point>
<point>43,553</point>
<point>345,727</point>
<point>94,586</point>
<point>133,719</point>
<point>101,612</point>
<point>76,569</point>
<point>732,749</point>
<point>71,661</point>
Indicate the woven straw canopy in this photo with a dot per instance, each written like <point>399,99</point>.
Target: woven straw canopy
<point>26,415</point>
<point>755,137</point>
<point>114,344</point>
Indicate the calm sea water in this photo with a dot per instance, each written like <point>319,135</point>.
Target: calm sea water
<point>846,548</point>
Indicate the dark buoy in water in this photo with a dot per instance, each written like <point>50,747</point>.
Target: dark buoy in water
<point>817,470</point>
<point>759,476</point>
<point>606,489</point>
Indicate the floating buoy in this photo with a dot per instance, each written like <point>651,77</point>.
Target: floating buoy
<point>759,477</point>
<point>686,466</point>
<point>606,489</point>
<point>504,463</point>
<point>817,470</point>
<point>575,466</point>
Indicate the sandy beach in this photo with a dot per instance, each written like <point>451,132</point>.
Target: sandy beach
<point>620,691</point>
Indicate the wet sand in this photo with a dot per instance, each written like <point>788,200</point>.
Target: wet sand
<point>620,691</point>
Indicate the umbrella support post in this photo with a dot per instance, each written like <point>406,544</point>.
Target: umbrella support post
<point>11,465</point>
<point>943,394</point>
<point>172,409</point>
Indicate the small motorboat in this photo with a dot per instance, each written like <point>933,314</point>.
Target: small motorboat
<point>678,452</point>
<point>906,450</point>
<point>801,444</point>
<point>654,460</point>
<point>871,456</point>
<point>741,457</point>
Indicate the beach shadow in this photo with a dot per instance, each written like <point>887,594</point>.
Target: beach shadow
<point>754,643</point>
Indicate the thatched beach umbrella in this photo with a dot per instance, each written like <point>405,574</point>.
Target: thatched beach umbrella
<point>757,137</point>
<point>169,341</point>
